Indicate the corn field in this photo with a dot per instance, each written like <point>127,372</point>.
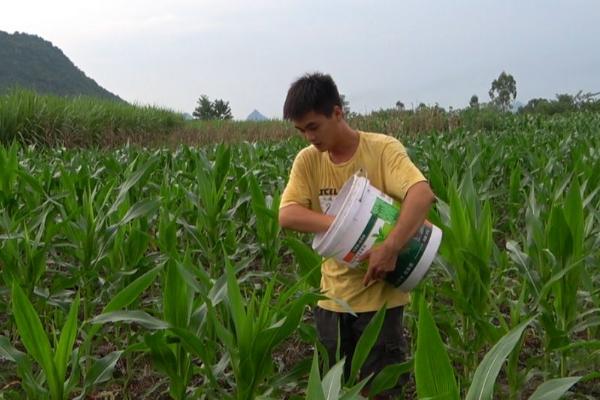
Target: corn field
<point>157,273</point>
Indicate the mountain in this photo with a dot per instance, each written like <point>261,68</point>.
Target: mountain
<point>256,116</point>
<point>34,63</point>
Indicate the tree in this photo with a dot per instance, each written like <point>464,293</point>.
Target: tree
<point>474,102</point>
<point>400,105</point>
<point>222,110</point>
<point>503,91</point>
<point>208,110</point>
<point>204,109</point>
<point>345,105</point>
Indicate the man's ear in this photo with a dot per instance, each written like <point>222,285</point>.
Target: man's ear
<point>338,113</point>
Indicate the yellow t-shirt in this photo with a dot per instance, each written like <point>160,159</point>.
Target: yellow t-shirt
<point>314,182</point>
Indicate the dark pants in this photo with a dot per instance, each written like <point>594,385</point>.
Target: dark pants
<point>390,347</point>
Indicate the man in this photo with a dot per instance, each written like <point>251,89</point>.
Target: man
<point>319,171</point>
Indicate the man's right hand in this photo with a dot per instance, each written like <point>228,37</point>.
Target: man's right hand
<point>301,219</point>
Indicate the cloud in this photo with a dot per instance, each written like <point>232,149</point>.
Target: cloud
<point>78,21</point>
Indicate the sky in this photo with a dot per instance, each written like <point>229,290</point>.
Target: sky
<point>169,53</point>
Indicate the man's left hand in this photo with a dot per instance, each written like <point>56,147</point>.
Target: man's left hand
<point>382,259</point>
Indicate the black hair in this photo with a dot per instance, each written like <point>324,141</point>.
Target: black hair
<point>312,92</point>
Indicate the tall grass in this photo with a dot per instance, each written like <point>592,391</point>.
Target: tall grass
<point>28,117</point>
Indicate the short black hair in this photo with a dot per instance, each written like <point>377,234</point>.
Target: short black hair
<point>312,92</point>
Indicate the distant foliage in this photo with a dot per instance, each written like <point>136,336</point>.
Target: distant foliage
<point>212,110</point>
<point>563,103</point>
<point>503,91</point>
<point>474,102</point>
<point>31,62</point>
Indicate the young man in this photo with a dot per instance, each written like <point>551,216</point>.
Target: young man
<point>319,171</point>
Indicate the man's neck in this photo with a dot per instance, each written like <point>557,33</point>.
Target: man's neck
<point>345,147</point>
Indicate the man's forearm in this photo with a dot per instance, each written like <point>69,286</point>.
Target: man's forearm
<point>302,219</point>
<point>415,208</point>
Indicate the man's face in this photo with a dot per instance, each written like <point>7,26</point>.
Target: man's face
<point>318,129</point>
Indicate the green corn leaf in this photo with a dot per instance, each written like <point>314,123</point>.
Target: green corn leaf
<point>176,297</point>
<point>388,377</point>
<point>222,164</point>
<point>224,334</point>
<point>132,291</point>
<point>189,278</point>
<point>560,239</point>
<point>24,365</point>
<point>308,261</point>
<point>218,292</point>
<point>515,184</point>
<point>293,316</point>
<point>31,181</point>
<point>314,391</point>
<point>191,341</point>
<point>34,339</point>
<point>101,371</point>
<point>433,372</point>
<point>522,261</point>
<point>482,386</point>
<point>554,389</point>
<point>162,355</point>
<point>297,372</point>
<point>124,298</point>
<point>589,345</point>
<point>256,193</point>
<point>366,342</point>
<point>458,216</point>
<point>140,209</point>
<point>167,233</point>
<point>134,178</point>
<point>236,301</point>
<point>8,351</point>
<point>139,317</point>
<point>557,277</point>
<point>67,339</point>
<point>353,393</point>
<point>197,346</point>
<point>574,214</point>
<point>332,381</point>
<point>443,396</point>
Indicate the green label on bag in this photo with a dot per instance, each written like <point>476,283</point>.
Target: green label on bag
<point>385,211</point>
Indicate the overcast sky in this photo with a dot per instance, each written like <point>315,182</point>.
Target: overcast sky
<point>168,53</point>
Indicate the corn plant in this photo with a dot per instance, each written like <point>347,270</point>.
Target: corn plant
<point>213,202</point>
<point>555,267</point>
<point>53,360</point>
<point>467,251</point>
<point>331,386</point>
<point>258,327</point>
<point>435,377</point>
<point>265,210</point>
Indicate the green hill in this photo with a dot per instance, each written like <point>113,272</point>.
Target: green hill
<point>32,62</point>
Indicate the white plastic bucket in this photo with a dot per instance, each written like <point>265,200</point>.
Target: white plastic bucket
<point>364,216</point>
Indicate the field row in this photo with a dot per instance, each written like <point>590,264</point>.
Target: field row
<point>144,272</point>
